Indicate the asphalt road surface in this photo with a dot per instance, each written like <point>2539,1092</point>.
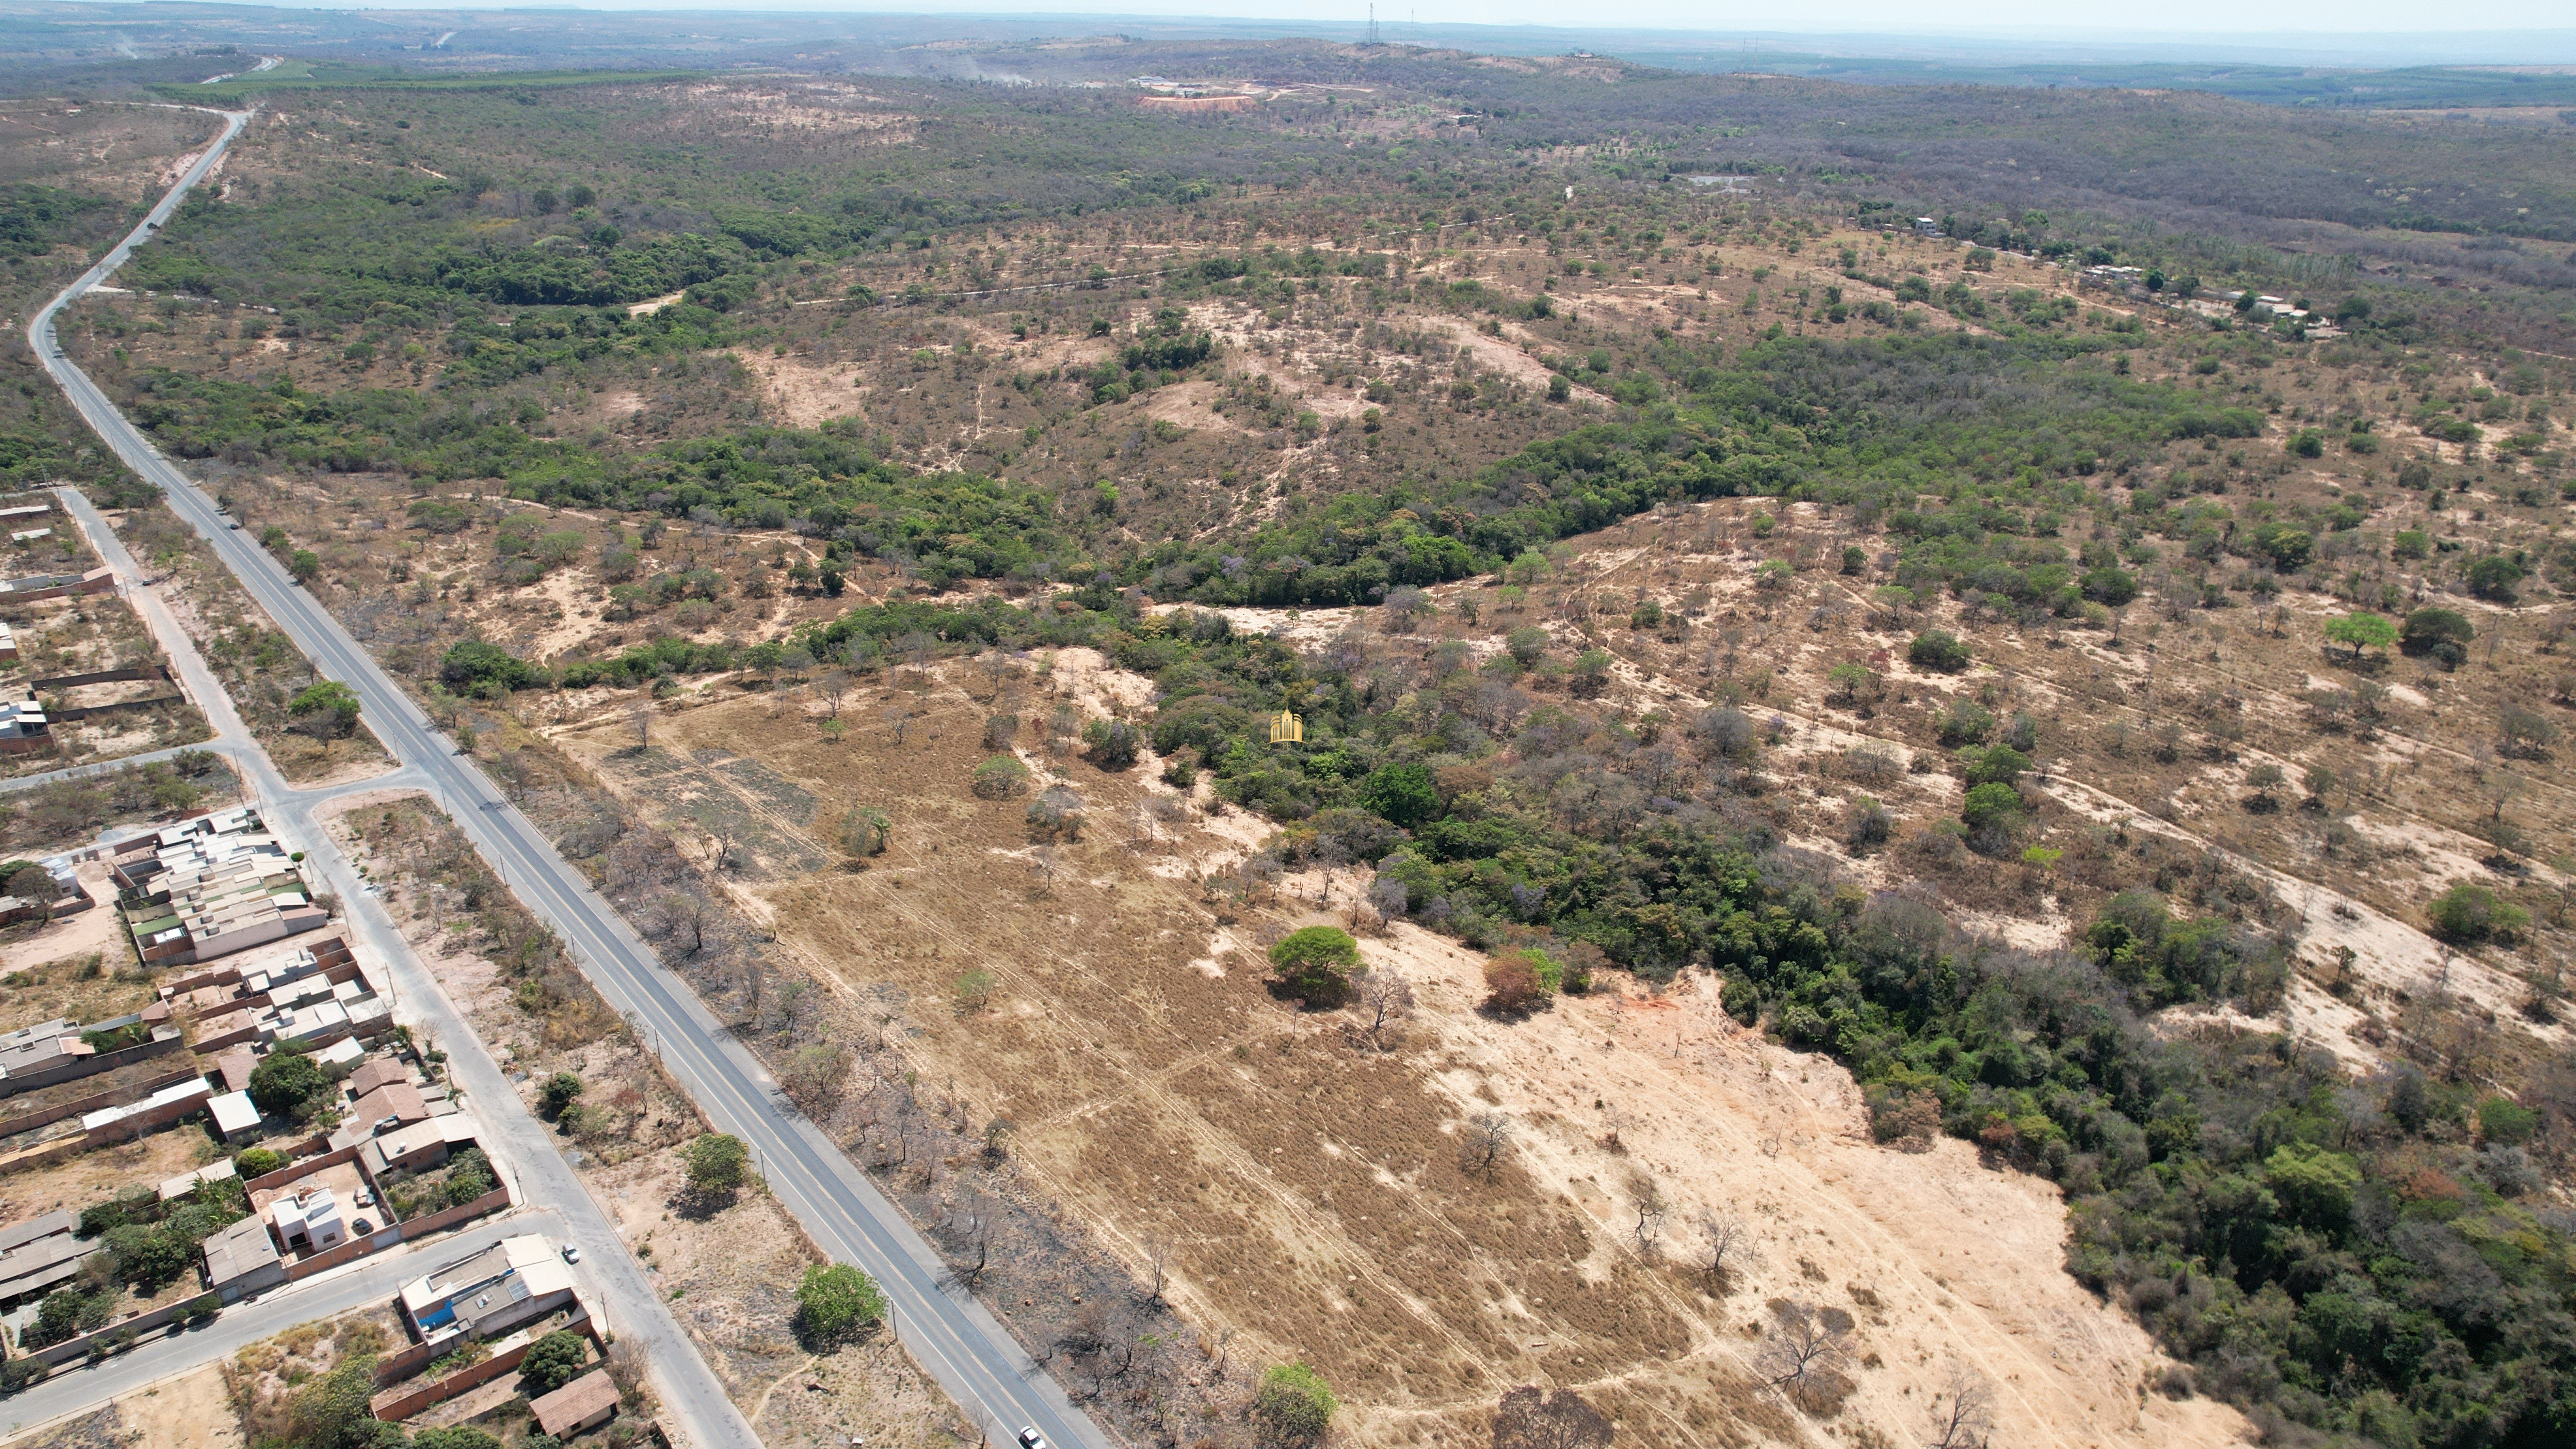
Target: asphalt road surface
<point>954,1337</point>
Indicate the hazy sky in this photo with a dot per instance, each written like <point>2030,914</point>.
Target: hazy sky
<point>2176,21</point>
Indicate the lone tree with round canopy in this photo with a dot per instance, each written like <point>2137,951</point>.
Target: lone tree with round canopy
<point>837,1302</point>
<point>1315,964</point>
<point>2361,631</point>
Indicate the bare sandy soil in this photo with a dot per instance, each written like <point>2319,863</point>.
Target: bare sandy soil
<point>1297,1177</point>
<point>188,1412</point>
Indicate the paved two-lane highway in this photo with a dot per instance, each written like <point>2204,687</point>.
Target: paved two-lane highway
<point>955,1338</point>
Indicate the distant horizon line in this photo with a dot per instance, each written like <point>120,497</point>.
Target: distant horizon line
<point>1343,21</point>
<point>1292,14</point>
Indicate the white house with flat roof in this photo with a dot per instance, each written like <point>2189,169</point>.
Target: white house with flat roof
<point>310,1218</point>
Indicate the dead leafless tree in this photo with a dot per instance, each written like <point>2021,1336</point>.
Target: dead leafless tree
<point>1159,1261</point>
<point>834,686</point>
<point>899,718</point>
<point>1486,1142</point>
<point>976,1226</point>
<point>1804,1355</point>
<point>1726,1243</point>
<point>1646,1194</point>
<point>1963,1416</point>
<point>685,914</point>
<point>639,718</point>
<point>1386,998</point>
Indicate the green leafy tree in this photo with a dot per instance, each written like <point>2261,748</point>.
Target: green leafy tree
<point>326,710</point>
<point>864,833</point>
<point>2442,633</point>
<point>554,1361</point>
<point>2469,913</point>
<point>2503,1120</point>
<point>717,1164</point>
<point>305,564</point>
<point>333,1411</point>
<point>464,1436</point>
<point>2314,1185</point>
<point>285,1081</point>
<point>257,1162</point>
<point>1938,650</point>
<point>1996,765</point>
<point>1294,1407</point>
<point>837,1302</point>
<point>1964,722</point>
<point>1404,794</point>
<point>558,1093</point>
<point>1591,669</point>
<point>1992,806</point>
<point>1113,742</point>
<point>2361,631</point>
<point>1315,964</point>
<point>1002,777</point>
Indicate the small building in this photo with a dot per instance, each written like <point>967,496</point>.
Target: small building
<point>309,1219</point>
<point>39,1254</point>
<point>235,1069</point>
<point>243,1259</point>
<point>340,1053</point>
<point>234,1115</point>
<point>8,645</point>
<point>220,1170</point>
<point>584,1403</point>
<point>379,1072</point>
<point>512,1282</point>
<point>180,1099</point>
<point>395,1104</point>
<point>1926,226</point>
<point>418,1146</point>
<point>24,728</point>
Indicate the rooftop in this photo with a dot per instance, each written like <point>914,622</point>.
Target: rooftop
<point>576,1403</point>
<point>241,1249</point>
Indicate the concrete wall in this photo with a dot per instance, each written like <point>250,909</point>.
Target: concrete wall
<point>27,1121</point>
<point>141,1323</point>
<point>102,676</point>
<point>122,706</point>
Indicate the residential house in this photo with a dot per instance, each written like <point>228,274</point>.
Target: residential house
<point>512,1282</point>
<point>23,727</point>
<point>209,887</point>
<point>38,1255</point>
<point>234,1115</point>
<point>309,1219</point>
<point>243,1259</point>
<point>423,1144</point>
<point>584,1403</point>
